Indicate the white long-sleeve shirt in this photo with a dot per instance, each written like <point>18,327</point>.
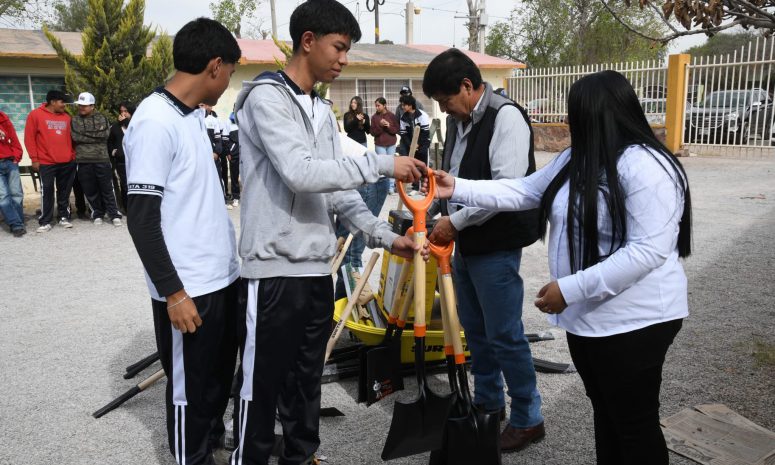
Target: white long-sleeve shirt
<point>640,284</point>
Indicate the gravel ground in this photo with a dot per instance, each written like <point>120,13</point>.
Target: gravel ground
<point>76,312</point>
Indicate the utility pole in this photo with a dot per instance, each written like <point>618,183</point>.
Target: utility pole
<point>375,9</point>
<point>482,23</point>
<point>409,23</point>
<point>274,19</point>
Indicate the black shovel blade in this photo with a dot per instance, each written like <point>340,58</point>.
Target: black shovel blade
<point>417,426</point>
<point>381,375</point>
<point>474,438</point>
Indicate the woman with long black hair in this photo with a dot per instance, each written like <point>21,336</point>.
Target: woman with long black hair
<point>356,121</point>
<point>620,213</point>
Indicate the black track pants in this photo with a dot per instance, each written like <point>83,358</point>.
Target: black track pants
<point>288,321</point>
<point>61,175</point>
<point>234,172</point>
<point>199,368</point>
<point>622,375</point>
<point>97,183</point>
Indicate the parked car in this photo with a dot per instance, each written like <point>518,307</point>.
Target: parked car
<point>655,109</point>
<point>544,110</point>
<point>730,116</point>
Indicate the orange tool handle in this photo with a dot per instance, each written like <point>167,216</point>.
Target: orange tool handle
<point>443,253</point>
<point>419,207</point>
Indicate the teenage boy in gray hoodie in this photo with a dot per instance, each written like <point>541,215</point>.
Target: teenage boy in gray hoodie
<point>295,179</point>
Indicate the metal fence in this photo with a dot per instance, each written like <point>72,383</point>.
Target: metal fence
<point>729,99</point>
<point>544,91</point>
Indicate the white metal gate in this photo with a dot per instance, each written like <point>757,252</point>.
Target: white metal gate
<point>729,102</point>
<point>544,91</point>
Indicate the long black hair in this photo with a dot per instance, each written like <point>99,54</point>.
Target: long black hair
<point>605,117</point>
<point>358,106</point>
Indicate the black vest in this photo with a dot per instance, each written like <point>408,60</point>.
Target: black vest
<point>504,231</point>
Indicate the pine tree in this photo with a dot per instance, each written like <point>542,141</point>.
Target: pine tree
<point>115,65</point>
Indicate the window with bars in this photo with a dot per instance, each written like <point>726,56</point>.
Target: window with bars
<point>343,90</point>
<point>18,99</point>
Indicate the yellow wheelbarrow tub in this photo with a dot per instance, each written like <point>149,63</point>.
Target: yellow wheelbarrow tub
<point>372,336</point>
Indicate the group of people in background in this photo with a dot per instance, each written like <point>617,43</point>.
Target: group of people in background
<point>82,154</point>
<point>224,141</point>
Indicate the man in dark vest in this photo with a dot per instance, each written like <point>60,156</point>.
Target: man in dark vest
<point>489,137</point>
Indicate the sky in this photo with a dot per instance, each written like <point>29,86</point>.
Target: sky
<point>436,23</point>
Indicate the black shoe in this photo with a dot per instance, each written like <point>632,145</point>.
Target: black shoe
<point>19,232</point>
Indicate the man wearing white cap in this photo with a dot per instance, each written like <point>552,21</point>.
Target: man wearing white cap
<point>90,131</point>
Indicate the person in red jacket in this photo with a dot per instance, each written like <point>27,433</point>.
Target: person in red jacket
<point>50,147</point>
<point>11,193</point>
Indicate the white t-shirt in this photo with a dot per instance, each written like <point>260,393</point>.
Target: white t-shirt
<point>168,154</point>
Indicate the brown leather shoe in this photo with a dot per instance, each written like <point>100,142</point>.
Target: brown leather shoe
<point>516,439</point>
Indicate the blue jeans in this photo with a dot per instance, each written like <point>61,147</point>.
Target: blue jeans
<point>490,291</point>
<point>390,150</point>
<point>11,194</point>
<point>374,196</point>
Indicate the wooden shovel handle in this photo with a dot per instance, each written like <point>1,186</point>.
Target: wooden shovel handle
<point>341,250</point>
<point>144,384</point>
<point>350,304</point>
<point>402,279</point>
<point>408,300</point>
<point>454,323</point>
<point>419,286</point>
<point>448,349</point>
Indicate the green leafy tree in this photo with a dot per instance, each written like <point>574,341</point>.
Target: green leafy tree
<point>232,13</point>
<point>572,32</point>
<point>70,15</point>
<point>26,13</point>
<point>500,41</point>
<point>115,64</point>
<point>723,44</point>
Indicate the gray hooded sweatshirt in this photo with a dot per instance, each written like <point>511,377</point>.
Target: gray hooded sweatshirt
<point>295,179</point>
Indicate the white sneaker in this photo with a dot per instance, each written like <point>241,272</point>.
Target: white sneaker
<point>235,203</point>
<point>97,221</point>
<point>229,207</point>
<point>44,228</point>
<point>65,223</point>
<point>117,222</point>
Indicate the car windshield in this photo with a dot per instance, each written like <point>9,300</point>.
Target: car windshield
<point>727,99</point>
